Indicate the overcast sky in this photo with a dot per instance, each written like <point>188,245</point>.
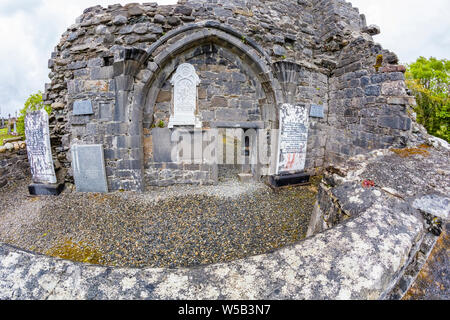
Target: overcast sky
<point>30,29</point>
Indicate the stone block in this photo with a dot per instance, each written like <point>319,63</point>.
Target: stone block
<point>105,111</point>
<point>37,189</point>
<point>373,90</point>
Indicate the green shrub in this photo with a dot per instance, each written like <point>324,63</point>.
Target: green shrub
<point>429,81</point>
<point>33,103</point>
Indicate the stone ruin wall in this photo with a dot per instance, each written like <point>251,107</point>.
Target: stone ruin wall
<point>13,163</point>
<point>300,52</point>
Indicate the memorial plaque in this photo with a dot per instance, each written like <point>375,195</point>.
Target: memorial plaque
<point>185,82</point>
<point>82,107</point>
<point>39,148</point>
<point>293,139</point>
<point>317,111</point>
<point>88,164</point>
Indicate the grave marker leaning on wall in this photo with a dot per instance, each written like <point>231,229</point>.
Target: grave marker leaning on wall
<point>89,168</point>
<point>185,82</point>
<point>294,126</point>
<point>292,146</point>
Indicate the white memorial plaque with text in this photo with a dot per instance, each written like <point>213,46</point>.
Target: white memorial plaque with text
<point>185,82</point>
<point>293,140</point>
<point>39,148</point>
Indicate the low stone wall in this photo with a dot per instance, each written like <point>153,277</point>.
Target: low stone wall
<point>363,257</point>
<point>13,162</point>
<point>166,174</point>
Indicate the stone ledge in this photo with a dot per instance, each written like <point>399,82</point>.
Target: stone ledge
<point>356,260</point>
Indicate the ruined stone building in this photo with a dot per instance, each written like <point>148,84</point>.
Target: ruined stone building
<point>113,74</point>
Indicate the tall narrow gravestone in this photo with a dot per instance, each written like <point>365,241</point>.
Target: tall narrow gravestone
<point>40,155</point>
<point>185,82</point>
<point>294,126</point>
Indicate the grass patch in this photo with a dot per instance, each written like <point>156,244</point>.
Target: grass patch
<point>408,152</point>
<point>4,135</point>
<point>79,252</point>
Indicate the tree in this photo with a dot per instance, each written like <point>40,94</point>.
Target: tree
<point>33,103</point>
<point>429,81</point>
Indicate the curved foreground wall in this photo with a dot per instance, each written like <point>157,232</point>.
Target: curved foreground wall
<point>382,231</point>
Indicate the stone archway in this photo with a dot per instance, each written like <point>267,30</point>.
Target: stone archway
<point>178,47</point>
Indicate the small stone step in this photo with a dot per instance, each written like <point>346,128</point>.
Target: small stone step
<point>245,177</point>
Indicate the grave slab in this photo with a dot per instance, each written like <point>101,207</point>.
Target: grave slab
<point>89,168</point>
<point>317,111</point>
<point>82,107</point>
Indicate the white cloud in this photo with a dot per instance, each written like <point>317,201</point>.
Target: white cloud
<point>30,30</point>
<point>410,28</point>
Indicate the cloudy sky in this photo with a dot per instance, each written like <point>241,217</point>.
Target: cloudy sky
<point>30,29</point>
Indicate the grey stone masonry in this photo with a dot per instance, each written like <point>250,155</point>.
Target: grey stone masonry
<point>251,56</point>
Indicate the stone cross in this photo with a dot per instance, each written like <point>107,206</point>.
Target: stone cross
<point>9,123</point>
<point>293,139</point>
<point>39,148</point>
<point>185,82</point>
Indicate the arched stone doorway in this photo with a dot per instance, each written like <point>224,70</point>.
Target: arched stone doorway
<point>237,90</point>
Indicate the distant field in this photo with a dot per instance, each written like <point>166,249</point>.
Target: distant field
<point>4,135</point>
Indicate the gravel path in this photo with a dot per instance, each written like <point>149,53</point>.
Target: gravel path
<point>179,226</point>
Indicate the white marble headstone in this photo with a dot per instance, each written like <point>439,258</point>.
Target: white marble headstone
<point>39,148</point>
<point>185,82</point>
<point>294,126</point>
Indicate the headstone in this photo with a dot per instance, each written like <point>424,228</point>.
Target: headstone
<point>162,145</point>
<point>15,128</point>
<point>82,107</point>
<point>39,148</point>
<point>317,111</point>
<point>293,139</point>
<point>185,82</point>
<point>9,123</point>
<point>88,164</point>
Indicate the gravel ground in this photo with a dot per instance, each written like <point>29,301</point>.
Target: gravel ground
<point>179,226</point>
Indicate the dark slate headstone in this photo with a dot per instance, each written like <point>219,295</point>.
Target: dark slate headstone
<point>317,111</point>
<point>294,127</point>
<point>39,148</point>
<point>82,107</point>
<point>88,165</point>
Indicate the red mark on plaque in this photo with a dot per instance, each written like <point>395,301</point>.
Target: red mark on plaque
<point>291,160</point>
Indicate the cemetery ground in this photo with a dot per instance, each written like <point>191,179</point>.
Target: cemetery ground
<point>178,226</point>
<point>4,135</point>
